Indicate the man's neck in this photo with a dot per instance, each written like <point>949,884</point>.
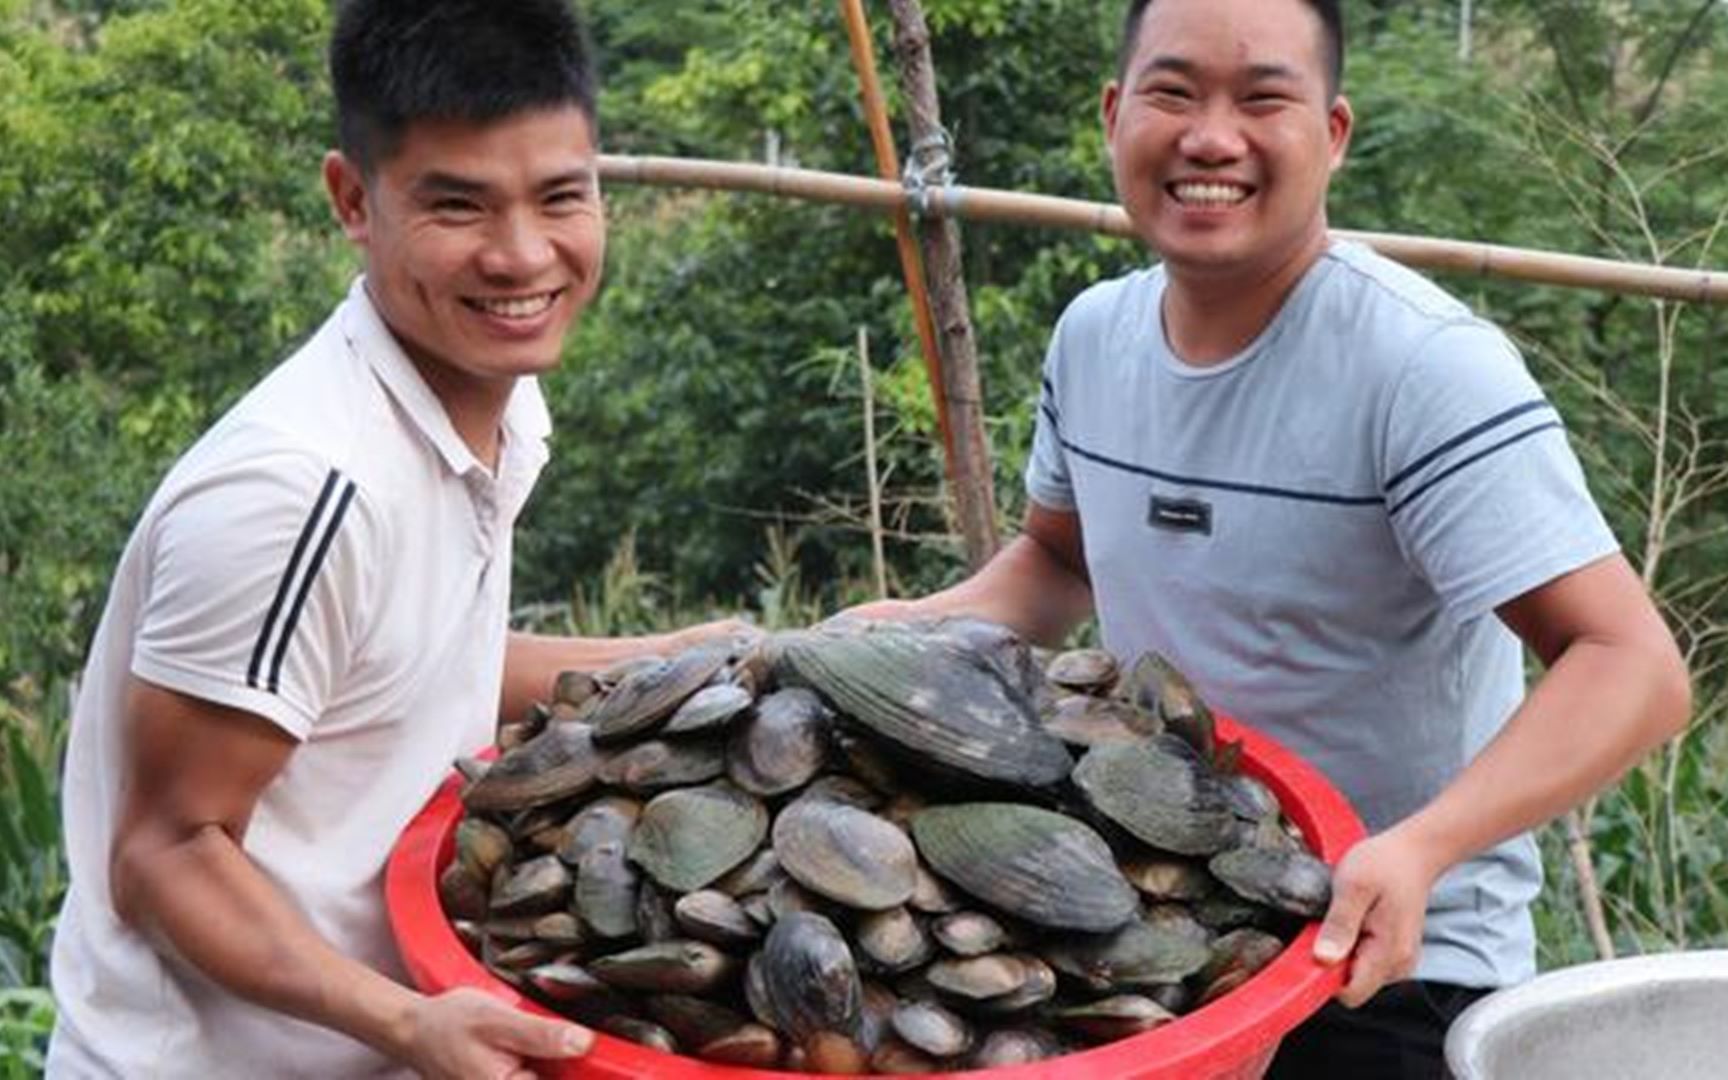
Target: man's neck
<point>1210,318</point>
<point>475,407</point>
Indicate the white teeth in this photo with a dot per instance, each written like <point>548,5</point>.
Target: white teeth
<point>516,307</point>
<point>1211,194</point>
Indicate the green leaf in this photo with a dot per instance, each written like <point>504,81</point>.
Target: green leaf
<point>35,800</point>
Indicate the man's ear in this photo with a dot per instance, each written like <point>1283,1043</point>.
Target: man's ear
<point>1108,103</point>
<point>1340,124</point>
<point>346,185</point>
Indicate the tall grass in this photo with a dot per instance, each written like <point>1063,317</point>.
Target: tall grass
<point>32,867</point>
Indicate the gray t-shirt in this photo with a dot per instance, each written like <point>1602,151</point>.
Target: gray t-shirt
<point>1317,532</point>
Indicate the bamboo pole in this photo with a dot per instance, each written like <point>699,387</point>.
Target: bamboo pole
<point>1048,211</point>
<point>888,163</point>
<point>939,241</point>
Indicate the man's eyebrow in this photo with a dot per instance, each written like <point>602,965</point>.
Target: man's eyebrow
<point>583,176</point>
<point>1177,65</point>
<point>443,183</point>
<point>1167,63</point>
<point>1258,72</point>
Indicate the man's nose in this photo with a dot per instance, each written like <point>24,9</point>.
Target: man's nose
<point>518,247</point>
<point>1213,136</point>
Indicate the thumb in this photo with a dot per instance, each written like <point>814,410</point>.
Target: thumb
<point>1343,924</point>
<point>537,1037</point>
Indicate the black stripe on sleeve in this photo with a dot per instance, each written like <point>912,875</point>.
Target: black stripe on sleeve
<point>1049,404</point>
<point>1463,437</point>
<point>287,582</point>
<point>312,569</point>
<point>1551,425</point>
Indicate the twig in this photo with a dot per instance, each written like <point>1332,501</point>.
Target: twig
<point>876,556</point>
<point>1589,892</point>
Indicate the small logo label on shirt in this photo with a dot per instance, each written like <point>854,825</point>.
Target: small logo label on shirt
<point>1181,515</point>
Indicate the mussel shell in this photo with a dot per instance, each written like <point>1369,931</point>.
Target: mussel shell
<point>1115,1017</point>
<point>1090,671</point>
<point>462,895</point>
<point>1083,721</point>
<point>969,933</point>
<point>1165,878</point>
<point>712,916</point>
<point>573,989</point>
<point>658,765</point>
<point>574,688</point>
<point>708,709</point>
<point>606,892</point>
<point>1034,864</point>
<point>609,818</point>
<point>638,1031</point>
<point>895,1057</point>
<point>533,888</point>
<point>933,1028</point>
<point>1236,958</point>
<point>481,846</point>
<point>892,940</point>
<point>1036,987</point>
<point>1289,881</point>
<point>1250,798</point>
<point>1138,955</point>
<point>933,896</point>
<point>1155,684</point>
<point>655,920</point>
<point>781,746</point>
<point>808,981</point>
<point>754,1046</point>
<point>1160,792</point>
<point>980,978</point>
<point>693,1021</point>
<point>673,967</point>
<point>846,854</point>
<point>756,874</point>
<point>933,700</point>
<point>559,763</point>
<point>1015,1046</point>
<point>645,698</point>
<point>687,838</point>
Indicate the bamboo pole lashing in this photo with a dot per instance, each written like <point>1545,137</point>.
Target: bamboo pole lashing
<point>888,163</point>
<point>1050,211</point>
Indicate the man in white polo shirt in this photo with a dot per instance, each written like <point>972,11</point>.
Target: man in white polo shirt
<point>309,623</point>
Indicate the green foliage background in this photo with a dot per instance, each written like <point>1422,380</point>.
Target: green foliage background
<point>166,241</point>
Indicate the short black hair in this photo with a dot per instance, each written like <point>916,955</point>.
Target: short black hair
<point>395,62</point>
<point>1331,16</point>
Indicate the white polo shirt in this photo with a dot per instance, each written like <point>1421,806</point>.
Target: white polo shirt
<point>330,556</point>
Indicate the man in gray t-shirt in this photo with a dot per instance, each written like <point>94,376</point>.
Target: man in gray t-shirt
<point>1337,501</point>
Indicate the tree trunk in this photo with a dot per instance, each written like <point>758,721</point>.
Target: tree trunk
<point>939,240</point>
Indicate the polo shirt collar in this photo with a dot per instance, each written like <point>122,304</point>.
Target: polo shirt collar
<point>527,423</point>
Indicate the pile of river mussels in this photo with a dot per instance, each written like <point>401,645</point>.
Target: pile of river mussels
<point>874,848</point>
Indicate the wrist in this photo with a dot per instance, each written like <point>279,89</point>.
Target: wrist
<point>392,1023</point>
<point>1426,842</point>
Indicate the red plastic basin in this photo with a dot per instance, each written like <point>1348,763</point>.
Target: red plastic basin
<point>1233,1037</point>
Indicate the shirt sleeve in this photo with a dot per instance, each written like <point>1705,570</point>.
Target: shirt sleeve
<point>255,588</point>
<point>1483,490</point>
<point>1047,480</point>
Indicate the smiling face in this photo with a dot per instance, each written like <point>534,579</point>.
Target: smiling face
<point>1223,136</point>
<point>483,243</point>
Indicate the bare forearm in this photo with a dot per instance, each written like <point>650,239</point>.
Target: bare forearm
<point>203,898</point>
<point>532,663</point>
<point>1598,710</point>
<point>1024,587</point>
